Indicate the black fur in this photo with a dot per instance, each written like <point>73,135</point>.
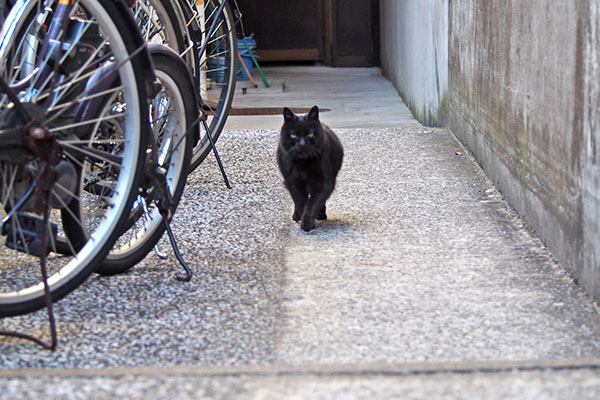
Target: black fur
<point>309,157</point>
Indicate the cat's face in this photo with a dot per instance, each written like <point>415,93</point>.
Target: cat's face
<point>302,136</point>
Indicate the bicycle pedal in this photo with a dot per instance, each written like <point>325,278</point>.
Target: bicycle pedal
<point>25,234</point>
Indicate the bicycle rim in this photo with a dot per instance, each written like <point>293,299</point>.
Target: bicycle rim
<point>63,69</point>
<point>217,69</point>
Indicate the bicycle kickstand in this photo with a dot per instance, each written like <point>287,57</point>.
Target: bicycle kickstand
<point>48,180</point>
<point>47,297</point>
<point>203,119</point>
<point>164,205</point>
<point>188,273</point>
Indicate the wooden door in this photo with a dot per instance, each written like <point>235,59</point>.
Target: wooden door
<point>354,33</point>
<point>339,33</point>
<point>291,30</point>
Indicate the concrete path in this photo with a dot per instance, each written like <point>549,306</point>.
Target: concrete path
<point>354,98</point>
<point>422,284</point>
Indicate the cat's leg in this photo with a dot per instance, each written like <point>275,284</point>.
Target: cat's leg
<point>322,214</point>
<point>297,216</point>
<point>316,202</point>
<point>299,196</point>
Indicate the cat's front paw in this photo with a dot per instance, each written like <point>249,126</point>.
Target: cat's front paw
<point>296,216</point>
<point>308,224</point>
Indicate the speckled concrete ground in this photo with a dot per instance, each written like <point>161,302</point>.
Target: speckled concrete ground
<point>420,262</point>
<point>430,381</point>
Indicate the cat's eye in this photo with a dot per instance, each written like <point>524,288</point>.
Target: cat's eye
<point>293,136</point>
<point>311,134</point>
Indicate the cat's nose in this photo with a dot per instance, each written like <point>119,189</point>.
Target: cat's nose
<point>301,142</point>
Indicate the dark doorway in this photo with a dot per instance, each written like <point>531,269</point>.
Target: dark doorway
<point>333,32</point>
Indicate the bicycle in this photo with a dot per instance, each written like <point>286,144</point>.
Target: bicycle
<point>174,120</point>
<point>72,148</point>
<point>220,58</point>
<point>212,55</point>
<point>59,68</point>
<point>160,22</point>
<point>204,33</point>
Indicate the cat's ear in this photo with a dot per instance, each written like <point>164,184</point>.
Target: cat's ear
<point>288,115</point>
<point>313,114</point>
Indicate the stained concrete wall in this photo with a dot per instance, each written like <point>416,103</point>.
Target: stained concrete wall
<point>518,82</point>
<point>590,271</point>
<point>524,98</point>
<point>414,54</point>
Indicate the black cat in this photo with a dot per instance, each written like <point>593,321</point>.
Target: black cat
<point>309,157</point>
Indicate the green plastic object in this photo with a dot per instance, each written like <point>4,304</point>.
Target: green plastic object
<point>264,78</point>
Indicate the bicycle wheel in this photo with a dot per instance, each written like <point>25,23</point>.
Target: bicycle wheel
<point>163,22</point>
<point>60,61</point>
<point>216,60</point>
<point>174,112</point>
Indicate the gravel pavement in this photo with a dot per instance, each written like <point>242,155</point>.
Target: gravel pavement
<point>421,262</point>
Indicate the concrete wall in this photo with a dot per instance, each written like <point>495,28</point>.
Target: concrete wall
<point>414,54</point>
<point>524,98</point>
<point>518,82</point>
<point>590,271</point>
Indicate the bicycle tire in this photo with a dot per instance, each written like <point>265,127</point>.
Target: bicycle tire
<point>145,230</point>
<point>104,46</point>
<point>163,22</point>
<point>220,61</point>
